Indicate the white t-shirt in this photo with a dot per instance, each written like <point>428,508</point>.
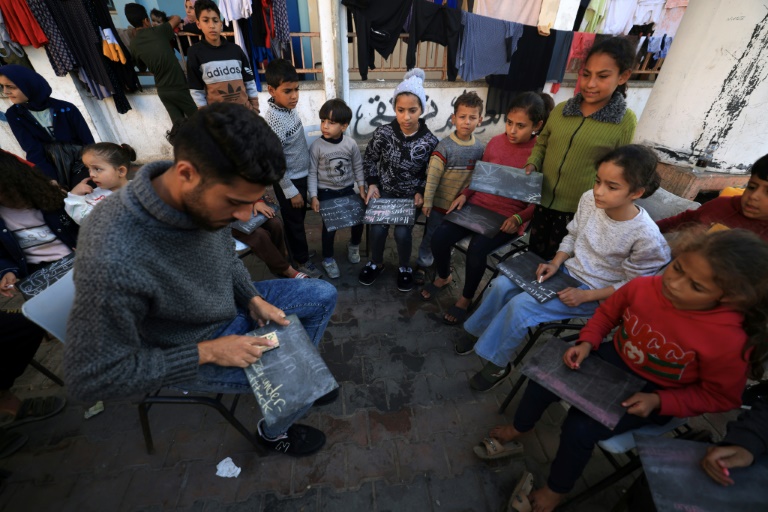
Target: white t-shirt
<point>78,207</point>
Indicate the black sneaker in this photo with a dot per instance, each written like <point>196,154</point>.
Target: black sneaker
<point>369,273</point>
<point>405,279</point>
<point>465,345</point>
<point>298,441</point>
<point>489,377</point>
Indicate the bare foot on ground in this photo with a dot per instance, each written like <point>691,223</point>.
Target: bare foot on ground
<point>440,283</point>
<point>504,433</point>
<point>545,499</point>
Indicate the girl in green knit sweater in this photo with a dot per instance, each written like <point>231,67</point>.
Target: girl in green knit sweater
<point>578,133</point>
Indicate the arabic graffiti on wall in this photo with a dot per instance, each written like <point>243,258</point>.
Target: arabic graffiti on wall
<point>377,111</point>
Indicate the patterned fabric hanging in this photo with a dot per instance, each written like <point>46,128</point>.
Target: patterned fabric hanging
<point>58,52</point>
<point>282,29</point>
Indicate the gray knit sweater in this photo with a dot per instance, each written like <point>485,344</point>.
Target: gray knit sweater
<point>150,286</point>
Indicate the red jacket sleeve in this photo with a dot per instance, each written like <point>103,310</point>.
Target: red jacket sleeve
<point>670,223</point>
<point>607,316</point>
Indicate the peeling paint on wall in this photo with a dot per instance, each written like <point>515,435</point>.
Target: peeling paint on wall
<point>750,69</point>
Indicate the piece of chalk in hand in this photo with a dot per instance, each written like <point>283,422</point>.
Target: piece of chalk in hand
<point>726,472</point>
<point>541,279</point>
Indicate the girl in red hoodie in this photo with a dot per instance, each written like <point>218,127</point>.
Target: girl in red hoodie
<point>691,333</point>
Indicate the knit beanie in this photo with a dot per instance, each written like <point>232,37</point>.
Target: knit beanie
<point>413,82</point>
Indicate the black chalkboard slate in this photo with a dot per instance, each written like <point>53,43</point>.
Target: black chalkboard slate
<point>596,389</point>
<point>291,376</point>
<point>677,481</point>
<point>256,221</point>
<point>478,219</point>
<point>342,212</point>
<point>522,271</point>
<point>387,210</point>
<point>45,277</point>
<point>504,181</point>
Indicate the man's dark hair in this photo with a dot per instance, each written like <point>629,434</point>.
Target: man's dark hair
<point>226,140</point>
<point>336,110</point>
<point>206,5</point>
<point>136,14</point>
<point>157,13</point>
<point>279,71</point>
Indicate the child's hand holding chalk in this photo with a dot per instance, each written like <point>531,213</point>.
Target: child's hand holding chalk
<point>545,271</point>
<point>720,458</point>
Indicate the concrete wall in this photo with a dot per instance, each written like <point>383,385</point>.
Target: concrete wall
<point>713,86</point>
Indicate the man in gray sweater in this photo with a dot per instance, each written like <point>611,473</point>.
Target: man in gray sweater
<point>161,297</point>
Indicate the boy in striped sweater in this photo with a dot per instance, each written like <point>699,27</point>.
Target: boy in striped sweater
<point>450,169</point>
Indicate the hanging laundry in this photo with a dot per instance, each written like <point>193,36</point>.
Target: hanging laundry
<point>648,11</point>
<point>524,12</point>
<point>654,45</point>
<point>486,47</point>
<point>280,14</point>
<point>665,46</point>
<point>251,52</point>
<point>110,47</point>
<point>21,24</point>
<point>547,16</point>
<point>378,25</point>
<point>8,44</point>
<point>58,52</point>
<point>560,52</point>
<point>233,10</point>
<point>436,23</point>
<point>671,17</point>
<point>529,64</point>
<point>618,18</point>
<point>567,12</point>
<point>594,15</point>
<point>582,42</point>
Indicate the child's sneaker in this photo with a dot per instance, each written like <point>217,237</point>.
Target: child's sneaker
<point>369,273</point>
<point>311,270</point>
<point>353,253</point>
<point>298,440</point>
<point>331,268</point>
<point>405,279</point>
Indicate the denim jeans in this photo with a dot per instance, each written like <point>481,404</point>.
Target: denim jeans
<point>579,432</point>
<point>506,313</point>
<point>312,300</point>
<point>425,258</point>
<point>327,237</point>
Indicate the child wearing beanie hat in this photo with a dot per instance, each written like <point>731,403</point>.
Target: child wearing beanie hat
<point>395,165</point>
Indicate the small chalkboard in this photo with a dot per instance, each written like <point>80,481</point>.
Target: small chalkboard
<point>388,210</point>
<point>256,221</point>
<point>342,212</point>
<point>504,181</point>
<point>291,376</point>
<point>45,277</point>
<point>478,219</point>
<point>522,271</point>
<point>677,481</point>
<point>596,389</point>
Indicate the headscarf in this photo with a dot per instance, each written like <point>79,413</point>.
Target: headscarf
<point>32,84</point>
<point>188,19</point>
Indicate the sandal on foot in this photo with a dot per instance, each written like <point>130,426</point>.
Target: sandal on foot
<point>460,314</point>
<point>420,277</point>
<point>433,290</point>
<point>38,408</point>
<point>11,442</point>
<point>489,377</point>
<point>519,501</point>
<point>491,449</point>
<point>465,346</point>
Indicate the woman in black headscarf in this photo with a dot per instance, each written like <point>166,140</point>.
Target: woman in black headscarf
<point>37,120</point>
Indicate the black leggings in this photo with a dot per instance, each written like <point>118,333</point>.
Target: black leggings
<point>446,235</point>
<point>19,340</point>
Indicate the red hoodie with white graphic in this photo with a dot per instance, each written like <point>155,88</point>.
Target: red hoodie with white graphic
<point>694,356</point>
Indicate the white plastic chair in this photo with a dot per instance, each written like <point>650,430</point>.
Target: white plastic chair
<point>312,133</point>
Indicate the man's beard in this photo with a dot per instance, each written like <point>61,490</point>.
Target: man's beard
<point>194,209</point>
